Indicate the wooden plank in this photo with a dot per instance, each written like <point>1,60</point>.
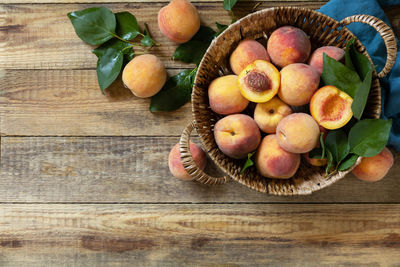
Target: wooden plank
<point>135,169</point>
<point>298,2</point>
<point>48,41</point>
<point>206,235</point>
<point>69,102</point>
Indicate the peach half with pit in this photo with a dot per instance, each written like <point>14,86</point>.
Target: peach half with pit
<point>237,135</point>
<point>331,107</point>
<point>225,97</point>
<point>274,162</point>
<point>246,53</point>
<point>259,82</point>
<point>267,115</point>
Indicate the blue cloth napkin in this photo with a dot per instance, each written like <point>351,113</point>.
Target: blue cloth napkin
<point>339,9</point>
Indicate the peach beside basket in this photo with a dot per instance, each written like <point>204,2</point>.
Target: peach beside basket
<point>322,30</point>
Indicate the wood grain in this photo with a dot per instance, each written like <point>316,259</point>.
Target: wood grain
<point>48,41</point>
<point>69,102</point>
<point>206,235</point>
<point>135,169</point>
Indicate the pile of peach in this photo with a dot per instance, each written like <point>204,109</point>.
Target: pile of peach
<point>287,134</point>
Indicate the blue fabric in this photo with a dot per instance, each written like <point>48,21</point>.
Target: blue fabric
<point>339,9</point>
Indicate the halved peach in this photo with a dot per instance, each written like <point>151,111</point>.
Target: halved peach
<point>331,107</point>
<point>259,81</point>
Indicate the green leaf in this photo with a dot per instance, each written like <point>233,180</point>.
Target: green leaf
<point>321,141</point>
<point>228,4</point>
<point>361,96</point>
<point>221,28</point>
<point>127,25</point>
<point>248,162</point>
<point>318,152</point>
<point>191,51</point>
<point>194,50</point>
<point>348,162</point>
<point>175,93</point>
<point>368,137</point>
<point>348,60</point>
<point>94,25</point>
<point>204,34</point>
<point>360,62</point>
<point>336,143</point>
<point>336,74</point>
<point>146,40</point>
<point>330,162</point>
<point>109,63</point>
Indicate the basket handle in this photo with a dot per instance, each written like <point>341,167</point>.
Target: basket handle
<point>385,32</point>
<point>189,164</point>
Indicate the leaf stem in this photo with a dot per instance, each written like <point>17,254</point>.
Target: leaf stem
<point>126,41</point>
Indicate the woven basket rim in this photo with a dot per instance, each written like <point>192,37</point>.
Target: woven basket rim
<point>236,177</point>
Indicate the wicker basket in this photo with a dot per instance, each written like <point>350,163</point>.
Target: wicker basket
<point>322,31</point>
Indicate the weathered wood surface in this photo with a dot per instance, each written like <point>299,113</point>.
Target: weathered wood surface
<point>205,235</point>
<point>135,169</point>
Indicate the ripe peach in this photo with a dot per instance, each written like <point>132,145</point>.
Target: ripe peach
<point>144,75</point>
<point>331,108</point>
<point>179,21</point>
<point>288,45</point>
<point>267,115</point>
<point>298,84</point>
<point>245,53</point>
<point>374,168</point>
<point>274,162</point>
<point>259,81</point>
<point>317,57</point>
<point>315,161</point>
<point>237,135</point>
<point>225,97</point>
<point>298,133</point>
<point>175,163</point>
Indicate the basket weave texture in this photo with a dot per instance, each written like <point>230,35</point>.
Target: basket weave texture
<point>322,31</point>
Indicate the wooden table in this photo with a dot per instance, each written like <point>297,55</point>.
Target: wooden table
<point>84,178</point>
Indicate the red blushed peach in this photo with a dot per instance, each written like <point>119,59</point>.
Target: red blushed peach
<point>274,162</point>
<point>317,57</point>
<point>374,168</point>
<point>175,163</point>
<point>225,97</point>
<point>245,53</point>
<point>288,45</point>
<point>259,82</point>
<point>267,115</point>
<point>298,133</point>
<point>237,135</point>
<point>144,75</point>
<point>331,108</point>
<point>315,161</point>
<point>179,21</point>
<point>298,84</point>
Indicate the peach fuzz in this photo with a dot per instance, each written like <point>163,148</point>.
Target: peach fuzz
<point>331,107</point>
<point>245,53</point>
<point>237,135</point>
<point>179,21</point>
<point>259,82</point>
<point>274,162</point>
<point>374,168</point>
<point>298,133</point>
<point>267,115</point>
<point>175,163</point>
<point>317,57</point>
<point>288,45</point>
<point>315,162</point>
<point>225,97</point>
<point>144,75</point>
<point>298,84</point>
